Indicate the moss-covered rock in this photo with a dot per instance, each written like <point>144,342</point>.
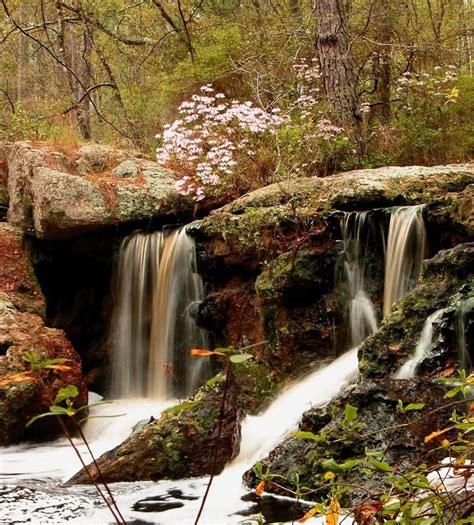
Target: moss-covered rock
<point>182,443</point>
<point>446,283</point>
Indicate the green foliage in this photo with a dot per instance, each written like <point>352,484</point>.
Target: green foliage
<point>407,496</point>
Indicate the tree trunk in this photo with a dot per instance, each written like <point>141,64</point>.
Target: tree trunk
<point>76,47</point>
<point>337,70</point>
<point>383,64</point>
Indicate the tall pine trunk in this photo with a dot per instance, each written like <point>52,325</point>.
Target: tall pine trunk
<point>338,75</point>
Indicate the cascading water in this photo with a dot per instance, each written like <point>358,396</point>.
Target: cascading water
<point>362,318</point>
<point>158,286</point>
<point>408,369</point>
<point>405,251</point>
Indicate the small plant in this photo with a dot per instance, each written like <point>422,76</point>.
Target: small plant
<point>62,405</point>
<point>231,356</point>
<point>421,496</point>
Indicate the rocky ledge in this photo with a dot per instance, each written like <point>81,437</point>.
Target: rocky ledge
<point>57,193</point>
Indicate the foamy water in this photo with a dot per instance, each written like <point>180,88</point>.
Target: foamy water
<point>228,502</point>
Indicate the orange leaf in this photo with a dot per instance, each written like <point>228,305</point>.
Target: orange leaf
<point>201,352</point>
<point>332,514</point>
<point>309,514</point>
<point>435,434</point>
<point>260,488</point>
<point>60,367</point>
<point>22,376</point>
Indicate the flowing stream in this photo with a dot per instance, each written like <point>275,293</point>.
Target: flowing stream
<point>408,369</point>
<point>362,317</point>
<point>38,469</point>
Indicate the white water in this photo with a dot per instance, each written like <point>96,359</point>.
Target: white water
<point>362,318</point>
<point>259,435</point>
<point>408,369</point>
<point>405,251</point>
<point>153,329</point>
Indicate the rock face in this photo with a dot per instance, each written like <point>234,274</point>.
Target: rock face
<point>376,429</point>
<point>446,283</point>
<point>22,330</point>
<point>272,257</point>
<point>58,194</point>
<point>181,443</point>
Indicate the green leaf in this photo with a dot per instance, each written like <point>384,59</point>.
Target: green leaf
<point>61,411</point>
<point>414,406</point>
<point>453,392</point>
<point>240,358</point>
<point>215,380</point>
<point>66,393</point>
<point>332,466</point>
<point>380,465</point>
<point>226,351</point>
<point>308,435</point>
<point>350,413</point>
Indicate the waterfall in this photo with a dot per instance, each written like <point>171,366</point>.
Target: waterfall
<point>154,329</point>
<point>362,319</point>
<point>405,250</point>
<point>408,370</point>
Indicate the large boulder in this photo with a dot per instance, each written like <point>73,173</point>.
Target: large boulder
<point>22,330</point>
<point>182,443</point>
<point>56,193</point>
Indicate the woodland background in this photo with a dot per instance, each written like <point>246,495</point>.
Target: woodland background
<point>357,83</point>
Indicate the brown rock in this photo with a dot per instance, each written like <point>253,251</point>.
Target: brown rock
<point>180,444</point>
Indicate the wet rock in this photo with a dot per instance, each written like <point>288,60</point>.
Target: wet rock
<point>182,443</point>
<point>58,194</point>
<point>22,330</point>
<point>446,283</point>
<point>378,428</point>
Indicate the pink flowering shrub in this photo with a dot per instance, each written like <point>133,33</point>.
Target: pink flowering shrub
<point>215,144</point>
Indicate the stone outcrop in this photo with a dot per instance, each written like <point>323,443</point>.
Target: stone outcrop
<point>282,244</point>
<point>58,193</point>
<point>182,443</point>
<point>379,428</point>
<point>447,282</point>
<point>22,330</point>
